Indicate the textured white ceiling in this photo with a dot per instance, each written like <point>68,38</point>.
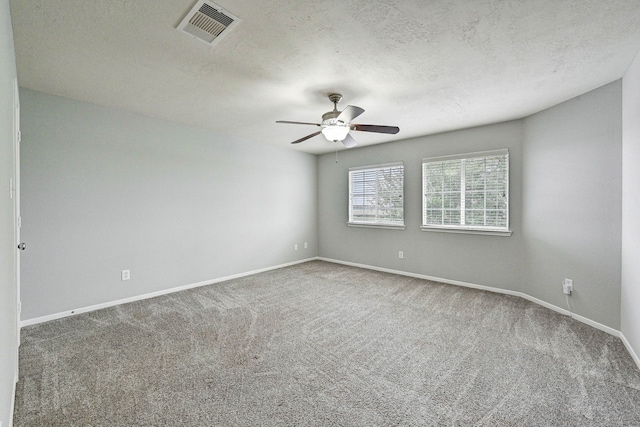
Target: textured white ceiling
<point>425,66</point>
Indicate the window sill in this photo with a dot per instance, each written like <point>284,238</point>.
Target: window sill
<point>501,233</point>
<point>387,226</point>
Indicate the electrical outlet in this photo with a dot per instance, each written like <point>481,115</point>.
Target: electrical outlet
<point>567,286</point>
<point>305,245</point>
<point>295,247</point>
<point>126,275</point>
<point>400,254</point>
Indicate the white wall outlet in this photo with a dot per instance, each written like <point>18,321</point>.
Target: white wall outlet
<point>126,274</point>
<point>567,286</point>
<point>295,247</point>
<point>400,254</point>
<point>305,245</point>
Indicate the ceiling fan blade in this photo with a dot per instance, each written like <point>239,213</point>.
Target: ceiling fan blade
<point>297,141</point>
<point>349,141</point>
<point>376,128</point>
<point>349,113</point>
<point>297,123</point>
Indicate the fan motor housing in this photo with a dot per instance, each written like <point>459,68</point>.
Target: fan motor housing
<point>330,115</point>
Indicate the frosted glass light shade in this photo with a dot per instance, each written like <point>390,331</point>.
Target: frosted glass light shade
<point>335,132</point>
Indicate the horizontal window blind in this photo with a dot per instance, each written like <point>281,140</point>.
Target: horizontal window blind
<point>466,191</point>
<point>376,195</point>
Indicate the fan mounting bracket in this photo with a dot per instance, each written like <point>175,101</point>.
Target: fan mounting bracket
<point>335,97</point>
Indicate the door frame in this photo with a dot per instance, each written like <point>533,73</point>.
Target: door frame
<point>16,209</point>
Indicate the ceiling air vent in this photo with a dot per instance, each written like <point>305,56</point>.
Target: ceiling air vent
<point>208,22</point>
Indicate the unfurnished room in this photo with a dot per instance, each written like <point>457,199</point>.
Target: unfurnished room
<point>319,213</point>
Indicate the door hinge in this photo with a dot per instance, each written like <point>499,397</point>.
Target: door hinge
<point>19,307</point>
<point>19,136</point>
<point>12,188</point>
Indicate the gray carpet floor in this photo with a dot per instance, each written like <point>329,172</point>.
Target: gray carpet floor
<point>321,344</point>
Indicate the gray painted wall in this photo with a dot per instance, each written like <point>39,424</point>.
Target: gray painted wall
<point>8,315</point>
<point>565,208</point>
<point>106,190</point>
<point>572,204</point>
<point>479,259</point>
<point>630,312</point>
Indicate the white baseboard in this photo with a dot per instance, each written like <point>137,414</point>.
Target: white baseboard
<point>555,308</point>
<point>36,320</point>
<point>13,403</point>
<point>596,325</point>
<point>422,276</point>
<point>630,349</point>
<point>544,304</point>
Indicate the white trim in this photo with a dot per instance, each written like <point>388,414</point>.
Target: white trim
<point>372,225</point>
<point>423,276</point>
<point>490,153</point>
<point>68,313</point>
<point>503,154</point>
<point>596,325</point>
<point>630,349</point>
<point>355,170</point>
<point>373,167</point>
<point>545,304</point>
<point>13,401</point>
<point>534,300</point>
<point>460,230</point>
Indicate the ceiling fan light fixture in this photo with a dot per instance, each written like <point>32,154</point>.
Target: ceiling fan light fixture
<point>336,124</point>
<point>335,132</point>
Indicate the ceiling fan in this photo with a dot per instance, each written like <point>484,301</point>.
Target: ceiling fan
<point>336,124</point>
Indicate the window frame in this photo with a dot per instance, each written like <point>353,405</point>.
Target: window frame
<point>466,229</point>
<point>379,222</point>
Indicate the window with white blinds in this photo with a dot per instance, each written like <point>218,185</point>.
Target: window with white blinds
<point>466,192</point>
<point>376,195</point>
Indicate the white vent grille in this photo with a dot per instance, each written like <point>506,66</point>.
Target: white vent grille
<point>208,22</point>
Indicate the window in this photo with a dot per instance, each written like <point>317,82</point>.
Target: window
<point>466,193</point>
<point>376,195</point>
